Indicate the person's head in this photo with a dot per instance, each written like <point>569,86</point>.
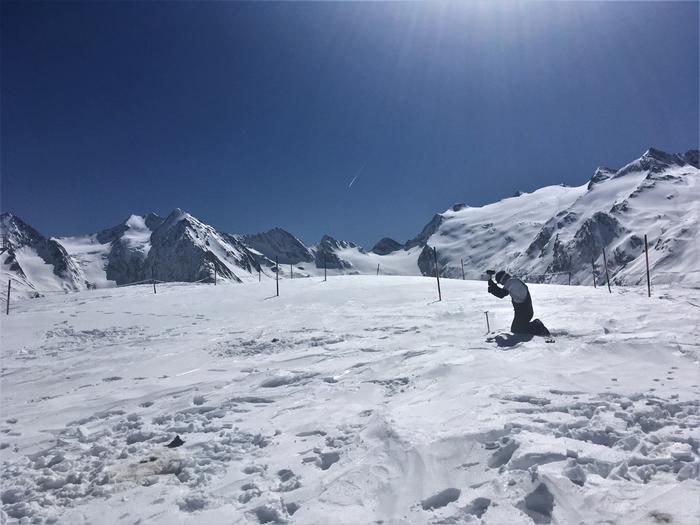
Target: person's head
<point>502,276</point>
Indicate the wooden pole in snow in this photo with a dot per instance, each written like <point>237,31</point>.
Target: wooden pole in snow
<point>9,283</point>
<point>291,271</point>
<point>488,327</point>
<point>646,253</point>
<point>377,269</point>
<point>214,275</point>
<point>462,261</point>
<point>277,275</point>
<point>593,270</point>
<point>259,275</point>
<point>607,276</point>
<point>154,281</point>
<point>437,273</point>
<point>325,268</point>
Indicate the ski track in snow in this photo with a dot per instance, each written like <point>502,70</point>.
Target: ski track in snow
<point>352,401</point>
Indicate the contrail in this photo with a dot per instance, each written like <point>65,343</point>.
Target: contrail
<point>356,175</point>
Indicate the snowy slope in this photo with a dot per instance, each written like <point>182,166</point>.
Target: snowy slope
<point>354,401</point>
<point>491,236</point>
<point>34,263</point>
<point>561,229</point>
<point>92,257</point>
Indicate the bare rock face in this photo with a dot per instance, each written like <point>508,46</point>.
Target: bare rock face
<point>185,249</point>
<point>386,246</point>
<point>428,230</point>
<point>279,243</point>
<point>325,253</point>
<point>426,261</point>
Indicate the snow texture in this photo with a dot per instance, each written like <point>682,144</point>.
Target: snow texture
<point>357,400</point>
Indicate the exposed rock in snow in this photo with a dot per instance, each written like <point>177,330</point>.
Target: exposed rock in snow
<point>279,243</point>
<point>325,253</point>
<point>543,236</point>
<point>564,230</point>
<point>428,231</point>
<point>386,245</point>
<point>36,264</point>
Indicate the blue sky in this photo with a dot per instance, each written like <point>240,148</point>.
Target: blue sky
<point>255,115</point>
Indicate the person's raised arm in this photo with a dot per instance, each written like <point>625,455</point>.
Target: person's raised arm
<point>496,290</point>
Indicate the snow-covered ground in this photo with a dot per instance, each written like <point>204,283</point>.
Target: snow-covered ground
<point>356,400</point>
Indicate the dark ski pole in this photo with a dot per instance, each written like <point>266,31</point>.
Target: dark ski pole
<point>488,327</point>
<point>646,253</point>
<point>593,270</point>
<point>277,275</point>
<point>325,268</point>
<point>607,276</point>
<point>9,284</point>
<point>377,269</point>
<point>437,273</point>
<point>462,261</point>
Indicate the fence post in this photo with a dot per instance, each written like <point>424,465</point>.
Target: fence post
<point>607,277</point>
<point>646,253</point>
<point>9,283</point>
<point>593,270</point>
<point>277,275</point>
<point>325,268</point>
<point>462,261</point>
<point>437,273</point>
<point>377,268</point>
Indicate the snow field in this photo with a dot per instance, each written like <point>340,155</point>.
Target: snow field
<point>351,401</point>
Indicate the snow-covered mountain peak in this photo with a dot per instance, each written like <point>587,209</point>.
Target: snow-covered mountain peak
<point>175,217</point>
<point>537,234</point>
<point>601,174</point>
<point>655,160</point>
<point>16,231</point>
<point>331,242</point>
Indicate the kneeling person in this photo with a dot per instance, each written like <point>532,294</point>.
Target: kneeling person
<point>522,304</point>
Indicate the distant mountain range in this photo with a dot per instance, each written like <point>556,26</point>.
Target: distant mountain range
<point>544,236</point>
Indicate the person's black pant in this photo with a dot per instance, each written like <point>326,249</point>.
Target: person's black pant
<point>522,323</point>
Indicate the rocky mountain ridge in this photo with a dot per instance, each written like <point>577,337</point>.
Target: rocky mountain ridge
<point>553,232</point>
